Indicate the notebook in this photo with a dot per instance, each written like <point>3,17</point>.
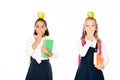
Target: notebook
<point>48,43</point>
<point>98,59</point>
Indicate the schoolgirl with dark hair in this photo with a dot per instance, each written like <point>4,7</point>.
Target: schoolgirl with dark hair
<point>40,67</point>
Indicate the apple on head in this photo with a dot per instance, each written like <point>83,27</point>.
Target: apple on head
<point>41,15</point>
<point>90,14</point>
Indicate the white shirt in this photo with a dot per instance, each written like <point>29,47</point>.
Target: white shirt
<point>83,49</point>
<point>36,54</point>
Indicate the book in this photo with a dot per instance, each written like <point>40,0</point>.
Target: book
<point>98,59</point>
<point>48,43</point>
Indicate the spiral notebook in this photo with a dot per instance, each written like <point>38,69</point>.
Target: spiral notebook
<point>48,43</point>
<point>98,59</point>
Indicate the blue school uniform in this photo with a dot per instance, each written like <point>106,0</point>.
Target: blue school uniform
<point>42,71</point>
<point>86,69</point>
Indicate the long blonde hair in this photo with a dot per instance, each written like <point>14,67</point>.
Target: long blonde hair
<point>95,33</point>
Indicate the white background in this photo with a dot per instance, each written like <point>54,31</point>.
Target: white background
<point>65,19</point>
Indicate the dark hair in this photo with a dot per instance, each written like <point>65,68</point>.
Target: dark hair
<point>46,32</point>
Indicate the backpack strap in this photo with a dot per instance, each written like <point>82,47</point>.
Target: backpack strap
<point>99,47</point>
<point>83,41</point>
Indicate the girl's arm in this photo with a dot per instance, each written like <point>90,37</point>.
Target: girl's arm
<point>35,44</point>
<point>105,55</point>
<point>44,50</point>
<point>37,40</point>
<point>54,51</point>
<point>83,49</point>
<point>29,49</point>
<point>32,45</point>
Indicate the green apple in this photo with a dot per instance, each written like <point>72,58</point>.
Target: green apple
<point>41,15</point>
<point>90,14</point>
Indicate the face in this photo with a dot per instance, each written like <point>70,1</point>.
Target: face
<point>90,26</point>
<point>40,27</point>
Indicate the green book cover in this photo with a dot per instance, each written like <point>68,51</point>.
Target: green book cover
<point>48,43</point>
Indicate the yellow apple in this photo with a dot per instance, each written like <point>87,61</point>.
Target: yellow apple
<point>90,14</point>
<point>41,15</point>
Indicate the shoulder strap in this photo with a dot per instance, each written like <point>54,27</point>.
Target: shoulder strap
<point>83,41</point>
<point>99,47</point>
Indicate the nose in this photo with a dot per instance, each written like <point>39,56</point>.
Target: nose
<point>90,27</point>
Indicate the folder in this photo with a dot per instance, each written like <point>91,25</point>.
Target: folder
<point>98,59</point>
<point>48,43</point>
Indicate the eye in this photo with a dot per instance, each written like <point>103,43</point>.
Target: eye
<point>93,25</point>
<point>42,26</point>
<point>87,25</point>
<point>37,26</point>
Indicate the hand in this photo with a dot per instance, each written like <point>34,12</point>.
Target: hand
<point>38,37</point>
<point>44,49</point>
<point>39,34</point>
<point>99,66</point>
